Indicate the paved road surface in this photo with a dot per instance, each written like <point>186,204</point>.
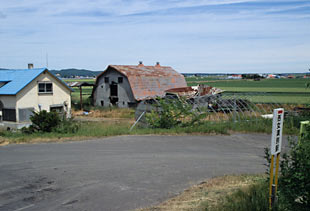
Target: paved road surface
<point>119,173</point>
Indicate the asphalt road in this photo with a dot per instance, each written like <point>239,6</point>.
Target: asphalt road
<point>120,173</point>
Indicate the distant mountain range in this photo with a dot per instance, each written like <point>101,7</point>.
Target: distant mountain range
<point>72,73</point>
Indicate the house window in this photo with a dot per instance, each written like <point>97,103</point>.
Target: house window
<point>120,80</point>
<point>9,114</point>
<point>25,114</point>
<point>106,79</point>
<point>45,87</point>
<point>57,109</point>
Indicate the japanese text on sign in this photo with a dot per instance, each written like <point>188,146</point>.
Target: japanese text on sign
<point>277,124</point>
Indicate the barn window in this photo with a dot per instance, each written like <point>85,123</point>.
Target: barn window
<point>45,87</point>
<point>106,79</point>
<point>120,80</point>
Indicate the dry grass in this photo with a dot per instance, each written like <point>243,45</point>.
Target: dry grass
<point>114,113</point>
<point>206,194</point>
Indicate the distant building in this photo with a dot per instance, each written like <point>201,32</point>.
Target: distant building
<point>271,76</point>
<point>235,76</point>
<point>27,90</point>
<point>125,85</point>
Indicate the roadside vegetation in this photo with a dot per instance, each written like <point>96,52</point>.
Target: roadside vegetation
<point>210,195</point>
<point>85,129</point>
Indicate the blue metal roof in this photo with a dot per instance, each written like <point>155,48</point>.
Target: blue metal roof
<point>16,80</point>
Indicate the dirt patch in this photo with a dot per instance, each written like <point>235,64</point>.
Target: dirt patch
<point>205,194</point>
<point>3,141</point>
<point>102,119</point>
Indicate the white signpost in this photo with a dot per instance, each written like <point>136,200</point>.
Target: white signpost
<point>277,125</point>
<point>276,143</point>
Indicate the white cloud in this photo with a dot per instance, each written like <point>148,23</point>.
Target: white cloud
<point>188,34</point>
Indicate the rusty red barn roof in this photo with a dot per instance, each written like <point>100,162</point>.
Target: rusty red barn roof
<point>149,81</point>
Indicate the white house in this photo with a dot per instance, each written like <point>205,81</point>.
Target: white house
<point>27,90</point>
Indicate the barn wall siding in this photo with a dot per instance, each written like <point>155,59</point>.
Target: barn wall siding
<point>102,93</point>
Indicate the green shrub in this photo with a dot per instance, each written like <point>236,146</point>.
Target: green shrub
<point>294,182</point>
<point>169,113</point>
<point>44,121</point>
<point>47,122</point>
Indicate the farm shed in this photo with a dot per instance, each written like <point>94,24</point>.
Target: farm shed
<point>80,85</point>
<point>126,85</point>
<point>25,90</point>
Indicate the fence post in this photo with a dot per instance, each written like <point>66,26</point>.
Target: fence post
<point>303,131</point>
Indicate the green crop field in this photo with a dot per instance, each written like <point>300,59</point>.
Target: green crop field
<point>89,80</point>
<point>264,85</point>
<point>263,91</point>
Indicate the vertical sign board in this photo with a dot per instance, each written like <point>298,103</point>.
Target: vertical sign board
<point>276,143</point>
<point>276,137</point>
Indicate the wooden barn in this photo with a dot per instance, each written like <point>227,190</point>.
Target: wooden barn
<point>126,85</point>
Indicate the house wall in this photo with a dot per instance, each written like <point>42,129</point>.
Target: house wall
<point>29,97</point>
<point>102,92</point>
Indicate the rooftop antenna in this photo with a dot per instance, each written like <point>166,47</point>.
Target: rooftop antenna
<point>46,60</point>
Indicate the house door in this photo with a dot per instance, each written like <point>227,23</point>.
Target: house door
<point>113,93</point>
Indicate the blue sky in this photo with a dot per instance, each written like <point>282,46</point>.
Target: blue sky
<point>205,36</point>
